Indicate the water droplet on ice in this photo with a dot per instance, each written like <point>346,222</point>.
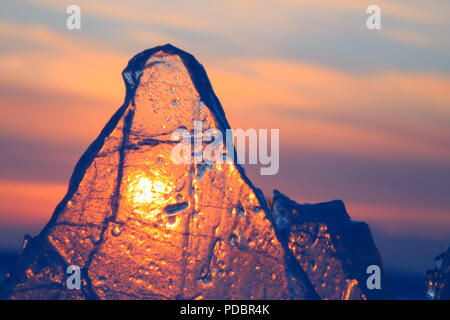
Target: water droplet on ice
<point>172,220</point>
<point>256,209</point>
<point>29,273</point>
<point>206,280</point>
<point>101,280</point>
<point>116,231</point>
<point>26,241</point>
<point>235,239</point>
<point>312,265</point>
<point>176,102</point>
<point>180,184</point>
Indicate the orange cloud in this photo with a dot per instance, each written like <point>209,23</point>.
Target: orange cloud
<point>398,220</point>
<point>383,114</point>
<point>28,203</point>
<point>430,12</point>
<point>76,85</point>
<point>388,113</point>
<point>64,64</point>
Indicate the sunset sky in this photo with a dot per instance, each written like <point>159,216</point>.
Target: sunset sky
<point>364,116</point>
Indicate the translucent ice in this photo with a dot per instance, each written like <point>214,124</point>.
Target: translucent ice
<point>140,226</point>
<point>438,279</point>
<point>332,250</point>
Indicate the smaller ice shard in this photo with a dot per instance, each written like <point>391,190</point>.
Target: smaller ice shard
<point>329,247</point>
<point>438,279</point>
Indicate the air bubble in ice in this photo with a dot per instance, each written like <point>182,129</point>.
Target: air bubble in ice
<point>176,207</point>
<point>101,280</point>
<point>240,209</point>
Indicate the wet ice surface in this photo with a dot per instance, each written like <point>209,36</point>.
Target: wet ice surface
<point>141,227</point>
